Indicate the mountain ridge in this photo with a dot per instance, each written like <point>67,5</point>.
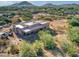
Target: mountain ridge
<point>29,4</point>
<point>49,5</point>
<point>23,4</point>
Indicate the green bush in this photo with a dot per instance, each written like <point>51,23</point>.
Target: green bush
<point>26,50</point>
<point>38,47</point>
<point>69,49</point>
<point>26,18</point>
<point>74,30</point>
<point>74,34</point>
<point>47,39</point>
<point>4,20</point>
<point>74,21</point>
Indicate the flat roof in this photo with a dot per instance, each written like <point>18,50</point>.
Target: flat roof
<point>30,26</point>
<point>19,26</point>
<point>29,23</point>
<point>27,30</point>
<point>2,33</point>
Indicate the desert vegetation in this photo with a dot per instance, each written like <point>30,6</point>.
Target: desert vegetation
<point>60,38</point>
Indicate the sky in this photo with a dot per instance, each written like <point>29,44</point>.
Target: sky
<point>38,3</point>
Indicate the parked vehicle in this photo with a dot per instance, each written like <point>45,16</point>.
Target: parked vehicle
<point>1,27</point>
<point>4,36</point>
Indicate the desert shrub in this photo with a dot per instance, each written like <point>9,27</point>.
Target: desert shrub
<point>73,29</point>
<point>74,34</point>
<point>4,20</point>
<point>70,17</point>
<point>14,49</point>
<point>47,39</point>
<point>38,47</point>
<point>48,18</point>
<point>69,49</point>
<point>4,42</point>
<point>26,50</point>
<point>74,21</point>
<point>26,18</point>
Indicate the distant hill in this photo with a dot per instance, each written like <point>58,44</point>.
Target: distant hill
<point>28,4</point>
<point>63,5</point>
<point>22,4</point>
<point>49,5</point>
<point>70,5</point>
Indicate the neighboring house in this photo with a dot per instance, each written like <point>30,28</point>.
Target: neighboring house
<point>30,27</point>
<point>71,13</point>
<point>1,14</point>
